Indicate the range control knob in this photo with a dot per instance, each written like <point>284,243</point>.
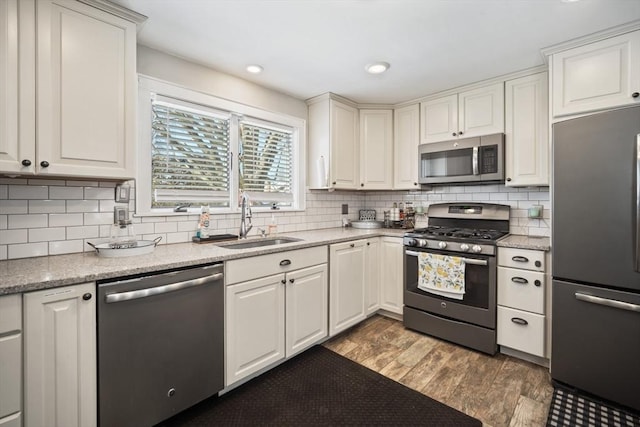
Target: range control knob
<point>464,247</point>
<point>421,243</point>
<point>442,245</point>
<point>476,249</point>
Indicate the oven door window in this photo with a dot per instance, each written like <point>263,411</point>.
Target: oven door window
<point>476,283</point>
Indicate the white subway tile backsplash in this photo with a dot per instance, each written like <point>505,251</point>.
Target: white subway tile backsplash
<point>46,234</point>
<point>28,221</point>
<point>8,237</point>
<point>14,207</point>
<point>98,193</point>
<point>3,252</point>
<point>107,205</point>
<point>13,181</point>
<point>166,227</point>
<point>66,193</point>
<point>178,237</point>
<point>82,206</point>
<point>3,222</point>
<point>83,232</point>
<point>47,206</point>
<point>100,218</point>
<point>65,220</point>
<point>49,182</point>
<point>20,192</point>
<point>4,192</point>
<point>82,183</point>
<point>28,250</point>
<point>144,228</point>
<point>66,247</point>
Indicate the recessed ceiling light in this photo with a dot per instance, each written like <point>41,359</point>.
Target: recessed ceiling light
<point>254,69</point>
<point>377,67</point>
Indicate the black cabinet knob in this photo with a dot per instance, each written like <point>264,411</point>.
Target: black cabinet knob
<point>352,245</point>
<point>334,183</point>
<point>537,283</point>
<point>538,264</point>
<point>44,164</point>
<point>26,162</point>
<point>508,179</point>
<point>460,133</point>
<point>291,280</point>
<point>415,183</point>
<point>454,134</point>
<point>283,281</point>
<point>368,243</point>
<point>86,296</point>
<point>361,185</point>
<point>635,94</point>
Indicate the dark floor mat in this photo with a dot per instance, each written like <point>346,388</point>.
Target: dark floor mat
<point>320,387</point>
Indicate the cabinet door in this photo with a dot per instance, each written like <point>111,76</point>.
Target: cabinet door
<point>406,131</point>
<point>60,386</point>
<point>527,131</point>
<point>17,85</point>
<point>346,286</point>
<point>255,326</point>
<point>391,274</point>
<point>86,91</point>
<point>376,149</point>
<point>596,76</point>
<point>439,119</point>
<point>307,303</point>
<point>481,111</point>
<point>372,274</point>
<point>344,146</point>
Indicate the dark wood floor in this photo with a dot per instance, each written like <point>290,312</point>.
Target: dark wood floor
<point>498,390</point>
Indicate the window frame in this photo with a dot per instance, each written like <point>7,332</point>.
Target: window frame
<point>148,86</point>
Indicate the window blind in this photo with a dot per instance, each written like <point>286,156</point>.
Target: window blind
<point>266,163</point>
<point>190,155</point>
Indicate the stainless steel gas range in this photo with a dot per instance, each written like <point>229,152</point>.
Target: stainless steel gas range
<point>450,273</point>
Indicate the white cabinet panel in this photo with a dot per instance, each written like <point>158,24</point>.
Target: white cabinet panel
<point>10,374</point>
<point>439,119</point>
<point>391,288</point>
<point>307,311</point>
<point>527,131</point>
<point>373,267</point>
<point>346,285</point>
<point>406,128</point>
<point>596,76</point>
<point>255,326</point>
<point>521,258</point>
<point>60,357</point>
<point>521,289</point>
<point>376,149</point>
<point>521,330</point>
<point>481,111</point>
<point>344,146</point>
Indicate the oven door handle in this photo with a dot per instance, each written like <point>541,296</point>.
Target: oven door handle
<point>466,260</point>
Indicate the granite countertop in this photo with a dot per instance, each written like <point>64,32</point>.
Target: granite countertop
<point>29,274</point>
<point>540,243</point>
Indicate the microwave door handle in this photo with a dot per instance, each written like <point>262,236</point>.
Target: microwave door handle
<point>475,160</point>
<point>637,266</point>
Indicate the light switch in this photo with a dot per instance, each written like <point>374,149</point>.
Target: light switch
<point>122,193</point>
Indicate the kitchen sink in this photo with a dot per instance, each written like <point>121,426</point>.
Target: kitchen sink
<point>257,243</point>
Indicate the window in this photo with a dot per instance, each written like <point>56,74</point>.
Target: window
<point>200,150</point>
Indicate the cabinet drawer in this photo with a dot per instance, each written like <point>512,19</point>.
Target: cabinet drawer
<point>10,313</point>
<point>10,374</point>
<point>241,270</point>
<point>521,330</point>
<point>521,258</point>
<point>521,289</point>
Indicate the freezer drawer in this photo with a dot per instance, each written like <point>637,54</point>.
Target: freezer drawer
<point>596,341</point>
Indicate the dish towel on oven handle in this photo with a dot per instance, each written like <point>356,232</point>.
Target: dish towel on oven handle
<point>441,274</point>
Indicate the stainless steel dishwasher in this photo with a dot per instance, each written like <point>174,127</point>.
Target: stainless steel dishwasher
<point>160,344</point>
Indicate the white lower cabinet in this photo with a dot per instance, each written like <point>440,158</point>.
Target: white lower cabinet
<point>521,322</point>
<point>372,274</point>
<point>391,273</point>
<point>60,386</point>
<point>270,318</point>
<point>10,360</point>
<point>347,285</point>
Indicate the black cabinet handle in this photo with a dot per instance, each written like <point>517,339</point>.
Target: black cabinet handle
<point>285,262</point>
<point>26,162</point>
<point>291,280</point>
<point>86,296</point>
<point>519,321</point>
<point>635,94</point>
<point>44,164</point>
<point>520,259</point>
<point>537,283</point>
<point>520,280</point>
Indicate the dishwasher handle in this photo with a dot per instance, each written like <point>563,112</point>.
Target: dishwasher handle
<point>148,292</point>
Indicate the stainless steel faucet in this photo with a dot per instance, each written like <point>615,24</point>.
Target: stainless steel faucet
<point>245,215</point>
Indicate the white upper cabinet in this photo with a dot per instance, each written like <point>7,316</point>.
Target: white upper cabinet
<point>333,155</point>
<point>406,138</point>
<point>471,113</point>
<point>527,131</point>
<point>81,119</point>
<point>596,76</point>
<point>376,149</point>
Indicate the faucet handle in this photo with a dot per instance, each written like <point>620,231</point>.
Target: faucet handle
<point>263,232</point>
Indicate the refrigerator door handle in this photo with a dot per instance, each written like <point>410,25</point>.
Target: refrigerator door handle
<point>608,302</point>
<point>637,266</point>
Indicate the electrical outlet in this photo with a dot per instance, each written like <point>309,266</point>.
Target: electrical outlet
<point>120,213</point>
<point>122,193</point>
<point>345,209</point>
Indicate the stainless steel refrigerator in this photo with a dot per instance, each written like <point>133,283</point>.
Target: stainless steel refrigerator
<point>596,255</point>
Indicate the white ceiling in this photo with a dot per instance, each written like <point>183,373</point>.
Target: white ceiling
<point>309,47</point>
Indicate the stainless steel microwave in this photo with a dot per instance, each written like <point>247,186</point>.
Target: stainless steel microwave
<point>468,160</point>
